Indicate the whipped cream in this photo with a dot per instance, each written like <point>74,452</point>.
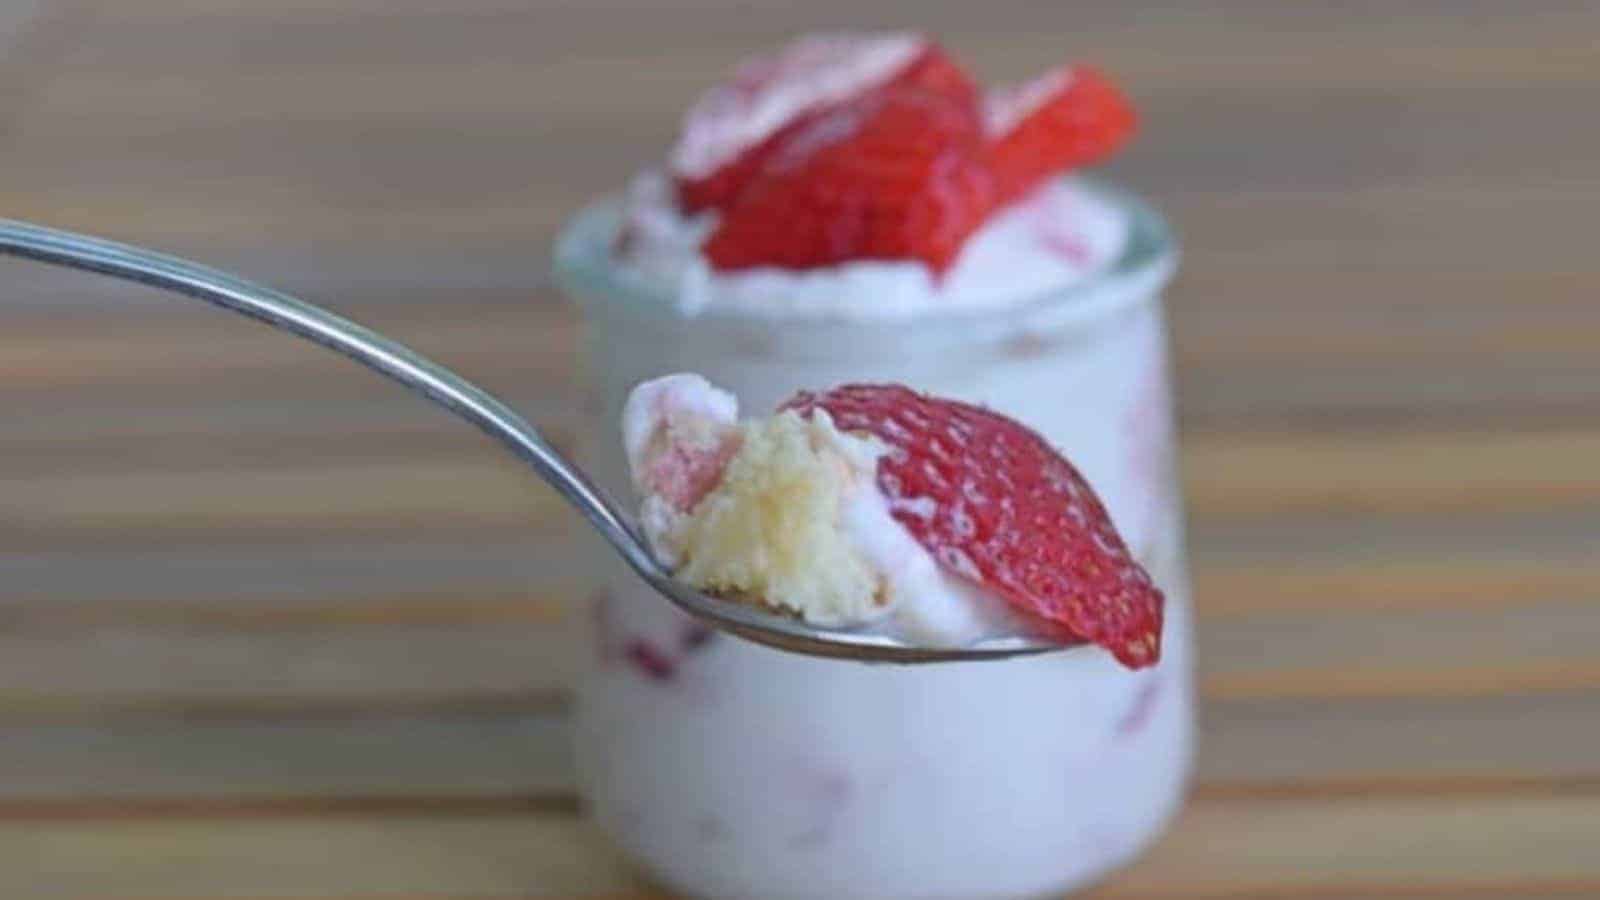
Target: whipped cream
<point>673,430</point>
<point>1062,234</point>
<point>929,606</point>
<point>861,569</point>
<point>687,397</point>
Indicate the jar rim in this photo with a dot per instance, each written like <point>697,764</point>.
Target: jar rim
<point>585,268</point>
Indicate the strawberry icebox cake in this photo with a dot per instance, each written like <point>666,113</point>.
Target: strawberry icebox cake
<point>876,506</point>
<point>922,392</point>
<point>867,176</point>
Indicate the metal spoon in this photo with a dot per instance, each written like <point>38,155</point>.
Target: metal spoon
<point>490,415</point>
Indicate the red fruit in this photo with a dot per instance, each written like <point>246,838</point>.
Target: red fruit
<point>994,503</point>
<point>894,175</point>
<point>935,71</point>
<point>731,131</point>
<point>1068,118</point>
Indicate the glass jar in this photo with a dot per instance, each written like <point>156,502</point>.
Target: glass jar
<point>730,770</point>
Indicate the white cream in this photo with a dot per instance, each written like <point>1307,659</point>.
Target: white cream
<point>655,403</point>
<point>1059,236</point>
<point>687,402</point>
<point>930,606</point>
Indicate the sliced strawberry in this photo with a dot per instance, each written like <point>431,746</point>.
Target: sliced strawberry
<point>734,127</point>
<point>936,71</point>
<point>894,175</point>
<point>1067,118</point>
<point>994,503</point>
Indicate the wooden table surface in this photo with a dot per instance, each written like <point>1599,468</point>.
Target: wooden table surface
<point>271,628</point>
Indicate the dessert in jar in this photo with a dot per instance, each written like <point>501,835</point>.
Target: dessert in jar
<point>850,209</point>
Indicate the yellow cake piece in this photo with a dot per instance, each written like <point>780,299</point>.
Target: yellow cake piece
<point>771,533</point>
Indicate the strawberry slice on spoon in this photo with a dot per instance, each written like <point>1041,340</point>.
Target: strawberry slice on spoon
<point>997,505</point>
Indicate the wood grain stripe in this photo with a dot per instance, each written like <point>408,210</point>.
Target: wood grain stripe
<point>1464,680</point>
<point>1237,475</point>
<point>1532,888</point>
<point>1309,656</point>
<point>1228,479</point>
<point>1266,748</point>
<point>1217,849</point>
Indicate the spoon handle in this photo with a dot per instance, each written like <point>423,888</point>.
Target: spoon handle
<point>411,369</point>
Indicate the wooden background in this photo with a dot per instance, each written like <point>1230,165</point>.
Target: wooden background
<point>271,628</point>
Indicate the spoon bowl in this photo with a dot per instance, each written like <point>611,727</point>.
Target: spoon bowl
<point>491,416</point>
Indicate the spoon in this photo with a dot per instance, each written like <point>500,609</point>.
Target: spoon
<point>492,416</point>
